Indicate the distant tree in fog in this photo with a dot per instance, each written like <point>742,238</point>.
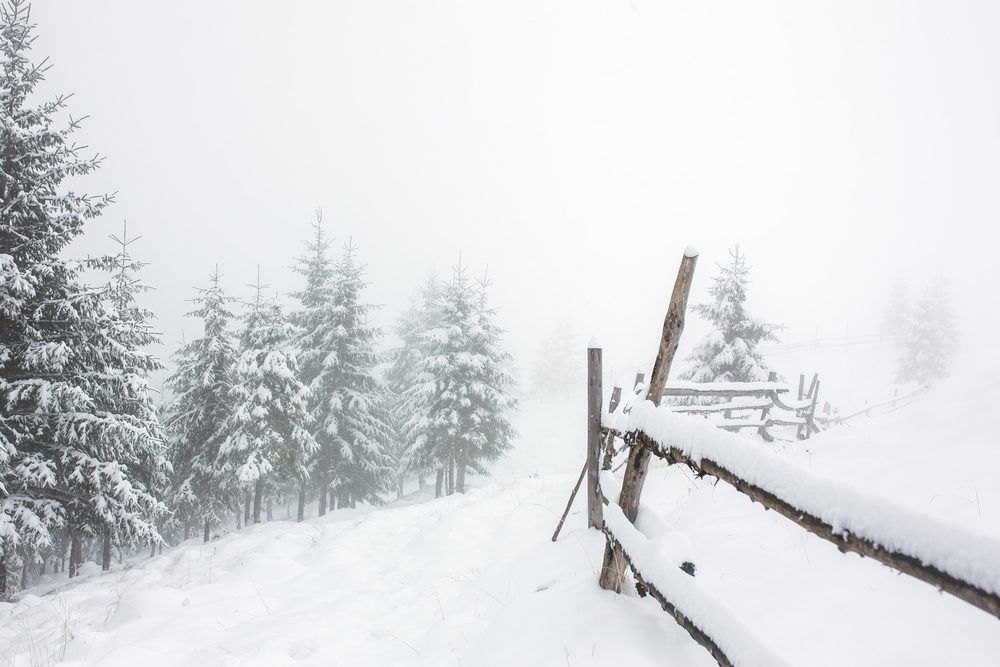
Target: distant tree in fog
<point>896,318</point>
<point>405,379</point>
<point>729,353</point>
<point>558,369</point>
<point>928,341</point>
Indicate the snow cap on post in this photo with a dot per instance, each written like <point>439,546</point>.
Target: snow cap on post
<point>594,343</point>
<point>690,251</point>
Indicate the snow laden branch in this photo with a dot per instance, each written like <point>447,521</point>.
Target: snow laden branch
<point>708,621</point>
<point>950,558</point>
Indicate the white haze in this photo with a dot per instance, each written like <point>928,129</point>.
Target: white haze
<point>575,147</point>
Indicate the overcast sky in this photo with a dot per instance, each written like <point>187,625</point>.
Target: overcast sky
<point>575,147</point>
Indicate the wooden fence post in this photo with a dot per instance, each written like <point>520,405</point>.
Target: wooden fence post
<point>762,431</point>
<point>616,398</point>
<point>613,569</point>
<point>595,404</point>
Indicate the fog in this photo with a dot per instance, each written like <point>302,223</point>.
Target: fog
<point>574,148</point>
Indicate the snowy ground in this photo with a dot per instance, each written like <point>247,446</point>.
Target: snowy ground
<point>474,580</point>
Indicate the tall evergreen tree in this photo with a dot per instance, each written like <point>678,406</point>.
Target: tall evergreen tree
<point>928,341</point>
<point>268,441</point>
<point>317,330</point>
<point>358,400</point>
<point>729,352</point>
<point>405,375</point>
<point>131,336</point>
<point>199,409</point>
<point>68,457</point>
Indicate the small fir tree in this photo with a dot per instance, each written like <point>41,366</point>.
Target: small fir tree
<point>928,341</point>
<point>729,353</point>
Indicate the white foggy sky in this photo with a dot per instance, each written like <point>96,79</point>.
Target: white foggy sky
<point>576,147</point>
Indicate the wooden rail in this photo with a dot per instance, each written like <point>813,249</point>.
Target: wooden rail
<point>844,540</point>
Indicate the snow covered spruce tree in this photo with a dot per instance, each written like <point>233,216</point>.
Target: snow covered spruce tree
<point>729,352</point>
<point>130,337</point>
<point>465,386</point>
<point>68,456</point>
<point>267,436</point>
<point>199,408</point>
<point>316,324</point>
<point>358,400</point>
<point>405,378</point>
<point>558,370</point>
<point>928,341</point>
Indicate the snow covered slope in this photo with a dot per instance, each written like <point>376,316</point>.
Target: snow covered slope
<point>474,580</point>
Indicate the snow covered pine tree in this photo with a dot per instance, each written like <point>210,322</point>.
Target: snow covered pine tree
<point>316,326</point>
<point>729,353</point>
<point>199,408</point>
<point>267,436</point>
<point>465,387</point>
<point>928,340</point>
<point>358,400</point>
<point>69,459</point>
<point>407,382</point>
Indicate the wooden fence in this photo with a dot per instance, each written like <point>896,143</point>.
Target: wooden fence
<point>964,565</point>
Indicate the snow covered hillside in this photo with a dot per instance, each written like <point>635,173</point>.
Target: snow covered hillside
<point>474,580</point>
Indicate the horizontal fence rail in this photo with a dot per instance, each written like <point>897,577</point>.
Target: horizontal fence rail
<point>955,561</point>
<point>710,623</point>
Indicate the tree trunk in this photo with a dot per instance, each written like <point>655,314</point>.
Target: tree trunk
<point>421,482</point>
<point>270,510</point>
<point>239,518</point>
<point>41,567</point>
<point>460,475</point>
<point>106,552</point>
<point>247,505</point>
<point>25,579</point>
<point>75,556</point>
<point>399,489</point>
<point>438,482</point>
<point>323,495</point>
<point>187,531</point>
<point>3,576</point>
<point>302,505</point>
<point>208,531</point>
<point>451,475</point>
<point>152,548</point>
<point>258,498</point>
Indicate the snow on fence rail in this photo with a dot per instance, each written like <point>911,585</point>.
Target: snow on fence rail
<point>956,561</point>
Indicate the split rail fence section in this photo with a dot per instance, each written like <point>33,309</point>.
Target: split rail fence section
<point>955,561</point>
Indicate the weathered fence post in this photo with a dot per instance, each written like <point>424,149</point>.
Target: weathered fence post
<point>762,431</point>
<point>639,379</point>
<point>613,570</point>
<point>595,404</point>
